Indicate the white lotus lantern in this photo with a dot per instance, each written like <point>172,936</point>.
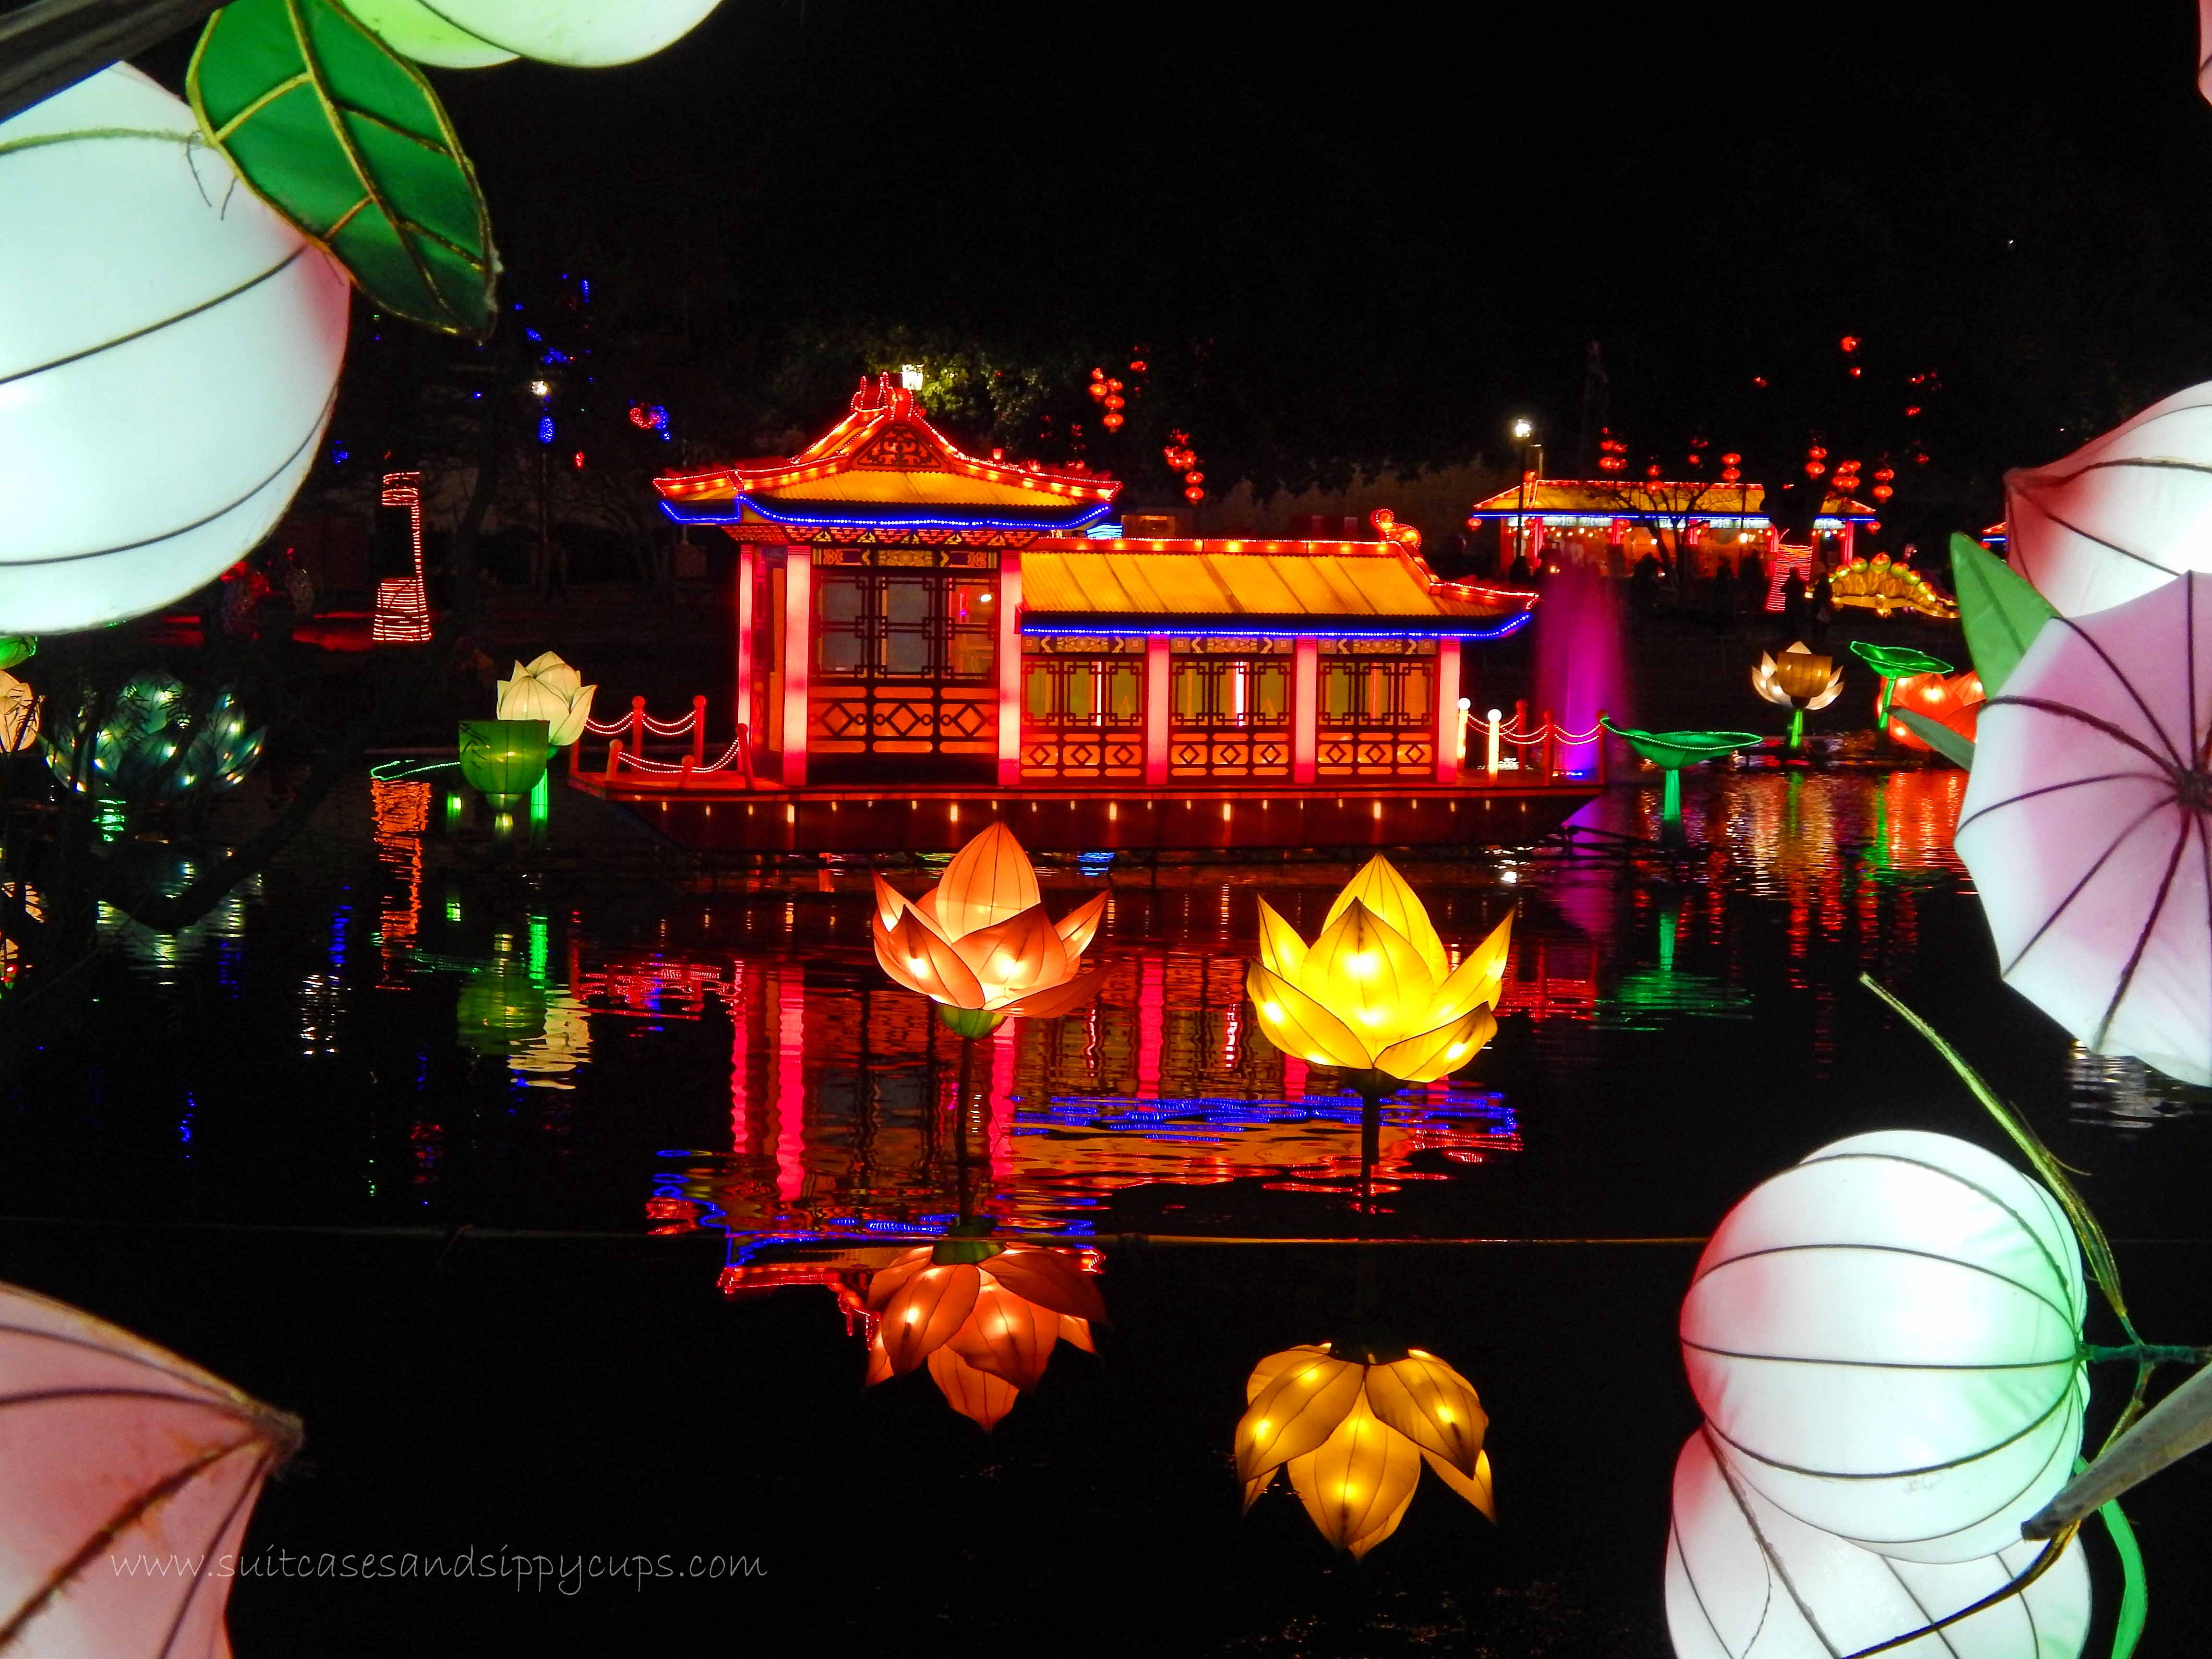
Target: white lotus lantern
<point>169,353</point>
<point>547,689</point>
<point>1885,1341</point>
<point>1745,1580</point>
<point>581,33</point>
<point>2122,514</point>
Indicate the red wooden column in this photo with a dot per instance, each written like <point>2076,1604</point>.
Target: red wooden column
<point>748,567</point>
<point>1010,668</point>
<point>1447,710</point>
<point>1305,707</point>
<point>798,651</point>
<point>1158,705</point>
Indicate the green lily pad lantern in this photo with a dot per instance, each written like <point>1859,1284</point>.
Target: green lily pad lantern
<point>1895,663</point>
<point>1671,752</point>
<point>502,760</point>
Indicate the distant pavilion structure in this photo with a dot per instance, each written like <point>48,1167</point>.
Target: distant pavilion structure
<point>1610,524</point>
<point>916,624</point>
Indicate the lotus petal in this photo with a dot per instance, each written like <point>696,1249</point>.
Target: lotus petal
<point>1299,1025</point>
<point>989,880</point>
<point>1427,1055</point>
<point>1012,957</point>
<point>1257,1484</point>
<point>1835,689</point>
<point>890,1278</point>
<point>1275,1365</point>
<point>924,1313</point>
<point>1078,927</point>
<point>1296,1413</point>
<point>1477,1490</point>
<point>1432,1406</point>
<point>977,1395</point>
<point>1369,975</point>
<point>891,903</point>
<point>1281,948</point>
<point>1357,1484</point>
<point>1476,981</point>
<point>1007,1335</point>
<point>913,954</point>
<point>1386,893</point>
<point>1055,1000</point>
<point>1051,1279</point>
<point>1078,1332</point>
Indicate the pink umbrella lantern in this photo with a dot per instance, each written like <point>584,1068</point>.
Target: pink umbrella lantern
<point>2085,827</point>
<point>126,1477</point>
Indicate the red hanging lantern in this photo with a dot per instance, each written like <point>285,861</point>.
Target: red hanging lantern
<point>1193,494</point>
<point>1911,409</point>
<point>1850,343</point>
<point>1855,371</point>
<point>1096,388</point>
<point>1138,366</point>
<point>1113,385</point>
<point>1115,400</point>
<point>1731,460</point>
<point>1113,420</point>
<point>1814,469</point>
<point>1883,474</point>
<point>1651,471</point>
<point>1194,477</point>
<point>1730,474</point>
<point>1882,492</point>
<point>1817,453</point>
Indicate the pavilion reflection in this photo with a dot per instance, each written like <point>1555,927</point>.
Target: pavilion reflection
<point>844,1092</point>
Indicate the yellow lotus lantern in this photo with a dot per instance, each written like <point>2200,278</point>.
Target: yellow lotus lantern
<point>1352,1427</point>
<point>983,1316</point>
<point>19,714</point>
<point>1797,680</point>
<point>547,689</point>
<point>1374,994</point>
<point>979,944</point>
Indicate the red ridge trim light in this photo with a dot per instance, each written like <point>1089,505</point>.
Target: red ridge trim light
<point>842,449</point>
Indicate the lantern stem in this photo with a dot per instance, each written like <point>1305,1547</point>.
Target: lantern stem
<point>1796,729</point>
<point>1888,688</point>
<point>1670,812</point>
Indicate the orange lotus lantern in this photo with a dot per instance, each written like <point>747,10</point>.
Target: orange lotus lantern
<point>1374,994</point>
<point>984,1317</point>
<point>979,944</point>
<point>1955,701</point>
<point>1351,1426</point>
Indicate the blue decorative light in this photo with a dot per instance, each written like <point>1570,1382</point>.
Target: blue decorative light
<point>555,354</point>
<point>1330,625</point>
<point>1089,516</point>
<point>531,334</point>
<point>340,454</point>
<point>544,429</point>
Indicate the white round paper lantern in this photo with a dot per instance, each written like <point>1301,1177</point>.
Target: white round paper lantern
<point>581,33</point>
<point>1746,1580</point>
<point>1885,1341</point>
<point>169,352</point>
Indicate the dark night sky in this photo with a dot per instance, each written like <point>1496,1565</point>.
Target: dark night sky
<point>1373,233</point>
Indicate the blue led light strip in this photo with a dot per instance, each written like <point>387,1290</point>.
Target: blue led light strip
<point>1090,515</point>
<point>1230,625</point>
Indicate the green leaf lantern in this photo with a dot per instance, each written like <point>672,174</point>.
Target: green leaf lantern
<point>347,140</point>
<point>2000,612</point>
<point>502,760</point>
<point>1895,663</point>
<point>134,754</point>
<point>15,648</point>
<point>1671,752</point>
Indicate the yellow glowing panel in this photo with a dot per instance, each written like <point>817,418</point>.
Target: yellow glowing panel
<point>1254,585</point>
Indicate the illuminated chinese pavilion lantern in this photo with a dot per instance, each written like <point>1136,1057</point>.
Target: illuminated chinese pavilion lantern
<point>1746,1580</point>
<point>1885,1341</point>
<point>169,358</point>
<point>581,33</point>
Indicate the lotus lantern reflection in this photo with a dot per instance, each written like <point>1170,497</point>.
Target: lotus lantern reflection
<point>547,689</point>
<point>984,1317</point>
<point>1376,993</point>
<point>1353,1428</point>
<point>979,944</point>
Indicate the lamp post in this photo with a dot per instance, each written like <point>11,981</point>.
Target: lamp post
<point>1532,462</point>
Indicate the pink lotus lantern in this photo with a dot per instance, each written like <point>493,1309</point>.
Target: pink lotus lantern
<point>2085,827</point>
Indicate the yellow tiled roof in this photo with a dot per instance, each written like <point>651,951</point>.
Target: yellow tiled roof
<point>1628,498</point>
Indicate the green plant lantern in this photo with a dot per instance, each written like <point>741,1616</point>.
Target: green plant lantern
<point>502,760</point>
<point>1895,663</point>
<point>133,755</point>
<point>1670,751</point>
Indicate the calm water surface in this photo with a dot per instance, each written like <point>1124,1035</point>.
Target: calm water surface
<point>701,1092</point>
